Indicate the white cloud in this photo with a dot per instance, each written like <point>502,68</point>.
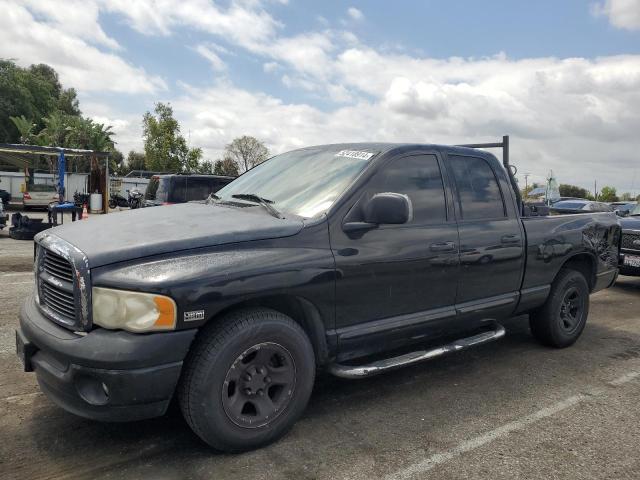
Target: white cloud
<point>208,53</point>
<point>79,64</point>
<point>74,17</point>
<point>244,23</point>
<point>271,67</point>
<point>623,14</point>
<point>577,116</point>
<point>355,14</point>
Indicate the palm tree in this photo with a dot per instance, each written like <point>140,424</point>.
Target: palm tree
<point>25,127</point>
<point>55,131</point>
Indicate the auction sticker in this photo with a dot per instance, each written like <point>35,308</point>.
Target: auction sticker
<point>355,154</point>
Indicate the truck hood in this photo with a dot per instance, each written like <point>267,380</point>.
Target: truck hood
<point>630,223</point>
<point>121,236</point>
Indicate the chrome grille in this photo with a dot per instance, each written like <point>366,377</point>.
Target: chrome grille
<point>57,266</point>
<point>628,240</point>
<point>58,300</point>
<point>63,282</point>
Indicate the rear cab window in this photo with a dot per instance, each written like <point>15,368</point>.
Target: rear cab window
<point>478,193</point>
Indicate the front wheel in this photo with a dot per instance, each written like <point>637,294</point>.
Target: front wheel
<point>247,379</point>
<point>561,320</point>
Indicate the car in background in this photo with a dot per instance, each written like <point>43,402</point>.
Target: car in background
<point>623,207</point>
<point>168,189</point>
<point>580,206</point>
<point>39,195</point>
<point>630,243</point>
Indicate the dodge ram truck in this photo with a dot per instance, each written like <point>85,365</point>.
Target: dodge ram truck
<point>353,259</point>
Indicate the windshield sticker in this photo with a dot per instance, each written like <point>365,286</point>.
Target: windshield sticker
<point>355,154</point>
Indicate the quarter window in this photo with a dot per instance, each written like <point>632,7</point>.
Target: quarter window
<point>478,191</point>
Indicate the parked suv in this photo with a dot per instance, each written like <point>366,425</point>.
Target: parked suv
<point>168,189</point>
<point>630,246</point>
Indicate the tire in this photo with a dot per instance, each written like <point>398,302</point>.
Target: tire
<point>561,320</point>
<point>230,363</point>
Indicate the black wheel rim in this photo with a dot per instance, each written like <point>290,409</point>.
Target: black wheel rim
<point>571,310</point>
<point>259,385</point>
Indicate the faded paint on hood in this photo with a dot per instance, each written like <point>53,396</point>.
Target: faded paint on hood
<point>121,236</point>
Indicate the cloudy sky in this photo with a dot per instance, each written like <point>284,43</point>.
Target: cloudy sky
<point>562,78</point>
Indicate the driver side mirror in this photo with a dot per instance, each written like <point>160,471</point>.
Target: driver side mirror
<point>620,213</point>
<point>383,208</point>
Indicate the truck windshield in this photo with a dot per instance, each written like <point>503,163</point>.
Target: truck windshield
<point>303,182</point>
<point>635,210</point>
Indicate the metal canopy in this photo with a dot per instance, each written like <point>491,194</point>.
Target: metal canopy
<point>38,150</point>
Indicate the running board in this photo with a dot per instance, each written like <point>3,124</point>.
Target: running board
<point>380,366</point>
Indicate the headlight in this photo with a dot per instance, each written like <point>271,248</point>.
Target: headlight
<point>133,311</point>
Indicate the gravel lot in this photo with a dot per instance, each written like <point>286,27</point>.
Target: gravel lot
<point>511,409</point>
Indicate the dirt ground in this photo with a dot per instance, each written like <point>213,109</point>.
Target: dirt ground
<point>508,410</point>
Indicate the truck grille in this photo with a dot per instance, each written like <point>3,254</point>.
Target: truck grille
<point>57,266</point>
<point>628,239</point>
<point>63,282</point>
<point>58,300</point>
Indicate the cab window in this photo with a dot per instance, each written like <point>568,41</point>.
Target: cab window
<point>478,193</point>
<point>418,177</point>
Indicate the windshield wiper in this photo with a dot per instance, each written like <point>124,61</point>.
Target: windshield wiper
<point>210,199</point>
<point>252,197</point>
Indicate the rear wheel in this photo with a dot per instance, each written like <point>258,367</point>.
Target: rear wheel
<point>561,320</point>
<point>247,379</point>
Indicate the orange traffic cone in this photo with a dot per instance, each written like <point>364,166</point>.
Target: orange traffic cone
<point>85,213</point>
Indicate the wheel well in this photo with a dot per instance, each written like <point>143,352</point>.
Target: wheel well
<point>298,309</point>
<point>585,264</point>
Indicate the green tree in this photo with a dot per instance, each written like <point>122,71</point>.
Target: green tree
<point>573,191</point>
<point>205,167</point>
<point>25,127</point>
<point>55,130</point>
<point>226,166</point>
<point>165,148</point>
<point>246,152</point>
<point>626,197</point>
<point>608,194</point>
<point>35,93</point>
<point>135,161</point>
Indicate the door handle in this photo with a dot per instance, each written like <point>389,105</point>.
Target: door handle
<point>510,239</point>
<point>442,247</point>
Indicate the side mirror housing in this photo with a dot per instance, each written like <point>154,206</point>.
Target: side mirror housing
<point>388,208</point>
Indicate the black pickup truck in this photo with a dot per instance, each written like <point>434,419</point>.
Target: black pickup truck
<point>354,259</point>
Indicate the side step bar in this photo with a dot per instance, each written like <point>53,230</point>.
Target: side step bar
<point>380,366</point>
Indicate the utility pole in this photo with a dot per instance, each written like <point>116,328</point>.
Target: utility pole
<point>526,181</point>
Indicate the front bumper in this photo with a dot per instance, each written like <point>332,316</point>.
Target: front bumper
<point>103,375</point>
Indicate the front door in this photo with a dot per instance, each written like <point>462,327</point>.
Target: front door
<point>396,281</point>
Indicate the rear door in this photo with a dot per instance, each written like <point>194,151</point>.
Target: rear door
<point>491,238</point>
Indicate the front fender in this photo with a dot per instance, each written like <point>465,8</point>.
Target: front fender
<point>211,281</point>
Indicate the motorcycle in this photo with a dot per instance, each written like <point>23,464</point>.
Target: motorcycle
<point>80,199</point>
<point>117,200</point>
<point>135,198</point>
